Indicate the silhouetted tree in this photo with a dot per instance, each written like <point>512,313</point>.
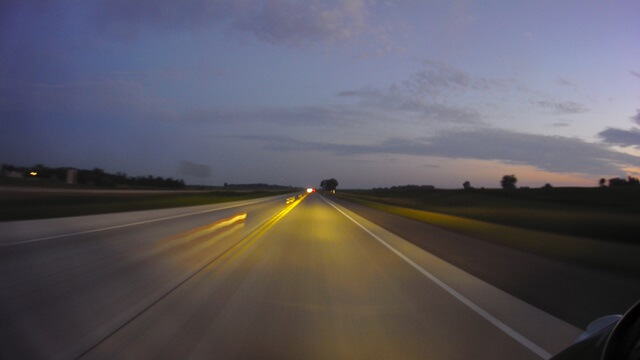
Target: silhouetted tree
<point>547,186</point>
<point>631,181</point>
<point>467,185</point>
<point>603,182</point>
<point>329,184</point>
<point>508,182</point>
<point>613,182</point>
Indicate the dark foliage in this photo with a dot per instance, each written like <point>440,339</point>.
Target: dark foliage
<point>329,184</point>
<point>96,177</point>
<point>630,181</point>
<point>508,182</point>
<point>406,188</point>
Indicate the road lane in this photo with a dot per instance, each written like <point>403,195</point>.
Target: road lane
<point>60,296</point>
<point>315,285</point>
<point>27,231</point>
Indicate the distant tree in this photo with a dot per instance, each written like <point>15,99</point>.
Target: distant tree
<point>332,184</point>
<point>329,184</point>
<point>613,182</point>
<point>508,182</point>
<point>633,181</point>
<point>603,182</point>
<point>547,186</point>
<point>467,185</point>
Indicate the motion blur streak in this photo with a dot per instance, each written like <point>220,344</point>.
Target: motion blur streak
<point>269,224</point>
<point>230,253</point>
<point>298,281</point>
<point>137,223</point>
<point>309,284</point>
<point>60,298</point>
<point>216,226</point>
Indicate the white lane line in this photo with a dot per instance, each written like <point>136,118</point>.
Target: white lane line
<point>480,311</point>
<point>129,224</point>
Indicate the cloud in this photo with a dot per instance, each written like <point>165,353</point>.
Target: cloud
<point>430,95</point>
<point>371,106</point>
<point>550,153</point>
<point>291,22</point>
<point>436,78</point>
<point>621,137</point>
<point>563,107</point>
<point>89,97</point>
<point>635,73</point>
<point>636,117</point>
<point>403,104</point>
<point>564,82</point>
<point>72,97</point>
<point>314,116</point>
<point>188,168</point>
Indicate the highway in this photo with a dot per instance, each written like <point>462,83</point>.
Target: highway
<point>255,279</point>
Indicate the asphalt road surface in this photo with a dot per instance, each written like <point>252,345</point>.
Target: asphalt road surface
<point>255,279</point>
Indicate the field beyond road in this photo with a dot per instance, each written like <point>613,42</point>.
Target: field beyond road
<point>39,203</point>
<point>595,226</point>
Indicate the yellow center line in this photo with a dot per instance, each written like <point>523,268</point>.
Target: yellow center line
<point>262,229</point>
<point>241,246</point>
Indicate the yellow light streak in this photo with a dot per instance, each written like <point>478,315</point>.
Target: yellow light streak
<point>211,228</point>
<point>204,236</point>
<point>271,222</point>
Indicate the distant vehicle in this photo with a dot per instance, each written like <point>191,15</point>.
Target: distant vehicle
<point>310,190</point>
<point>612,337</point>
<point>291,199</point>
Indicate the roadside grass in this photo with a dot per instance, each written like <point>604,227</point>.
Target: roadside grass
<point>600,213</point>
<point>546,231</point>
<point>27,206</point>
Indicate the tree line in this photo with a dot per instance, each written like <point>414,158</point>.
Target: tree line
<point>507,182</point>
<point>617,182</point>
<point>95,177</point>
<point>256,186</point>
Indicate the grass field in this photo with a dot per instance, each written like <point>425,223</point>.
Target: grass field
<point>24,205</point>
<point>596,226</point>
<point>600,213</point>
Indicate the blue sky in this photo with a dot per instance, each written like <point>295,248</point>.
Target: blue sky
<point>373,93</point>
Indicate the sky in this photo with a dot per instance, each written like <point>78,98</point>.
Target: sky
<point>372,93</point>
